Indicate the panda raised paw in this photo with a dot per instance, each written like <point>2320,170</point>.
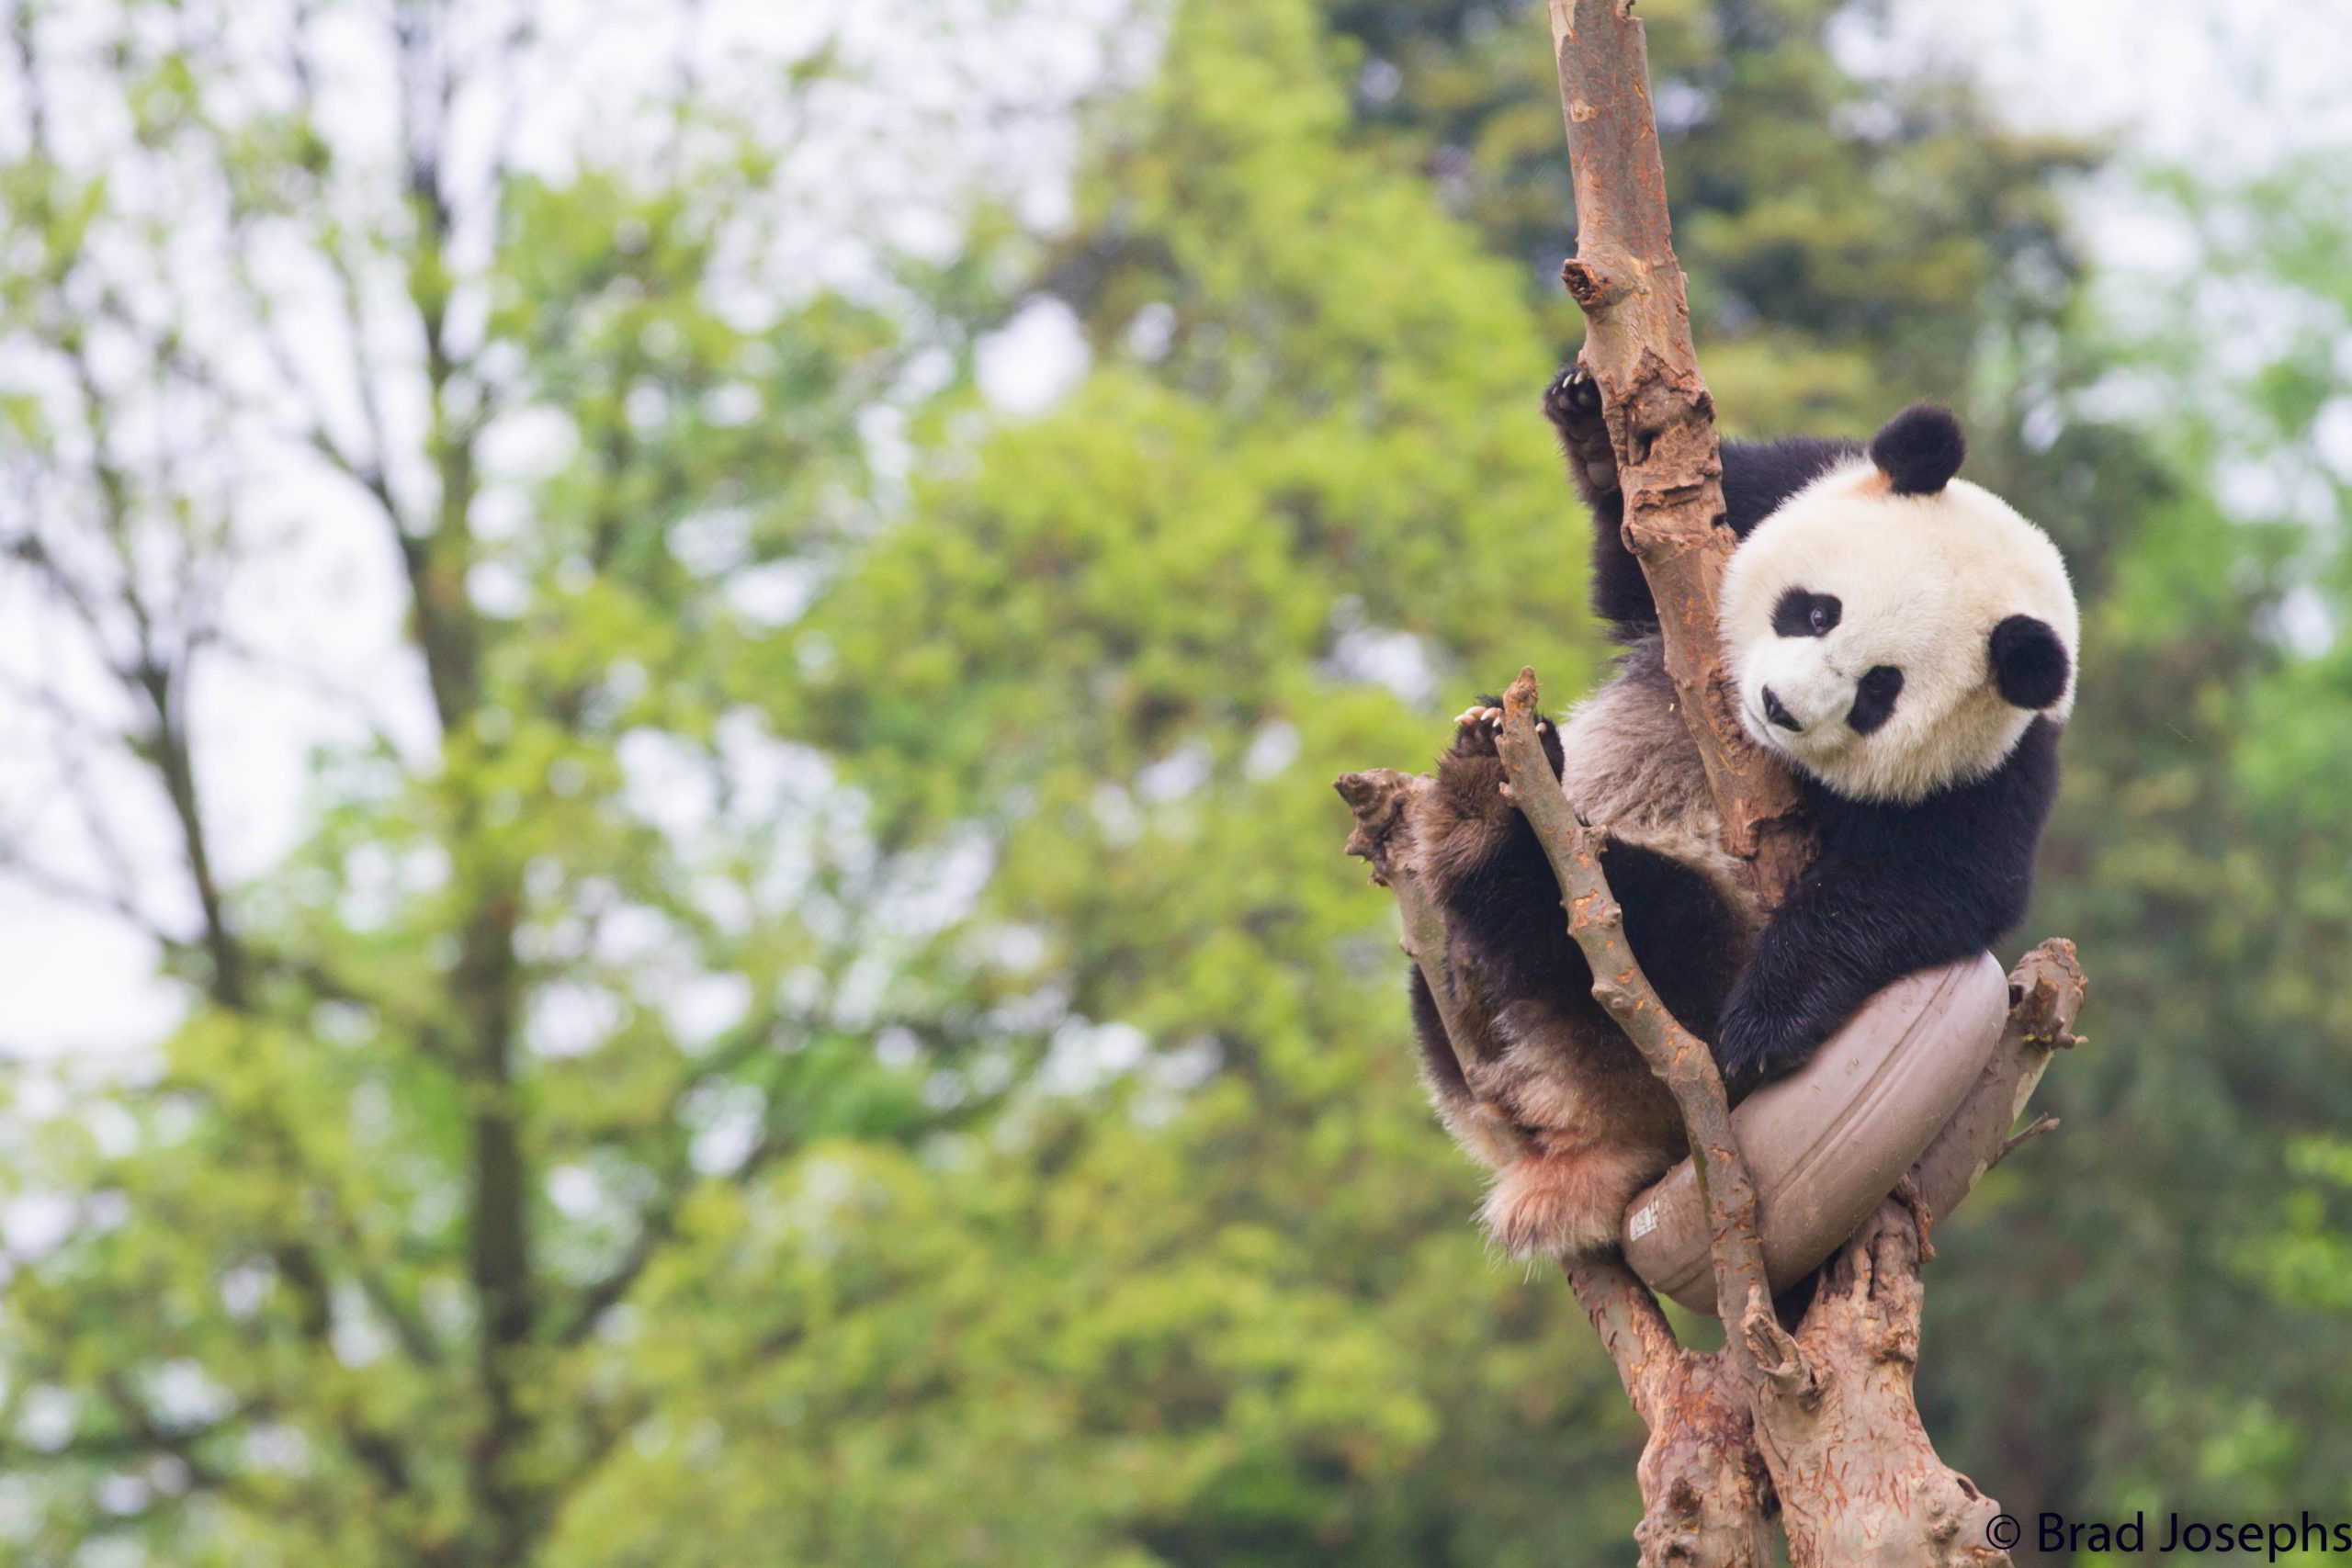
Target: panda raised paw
<point>1478,729</point>
<point>1572,402</point>
<point>1573,399</point>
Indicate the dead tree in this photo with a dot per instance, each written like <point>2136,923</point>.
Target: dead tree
<point>1815,1426</point>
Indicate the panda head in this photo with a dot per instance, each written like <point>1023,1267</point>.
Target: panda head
<point>1892,630</point>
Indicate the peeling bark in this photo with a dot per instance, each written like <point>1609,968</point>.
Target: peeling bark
<point>1813,1431</point>
<point>1661,420</point>
<point>1707,1498</point>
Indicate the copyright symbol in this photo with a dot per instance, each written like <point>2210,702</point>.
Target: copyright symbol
<point>2004,1530</point>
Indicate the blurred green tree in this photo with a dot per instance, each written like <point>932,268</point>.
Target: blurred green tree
<point>620,1131</point>
<point>1850,237</point>
<point>2181,1345</point>
<point>836,1031</point>
<point>1210,1297</point>
<point>1856,244</point>
<point>352,1270</point>
<point>1244,310</point>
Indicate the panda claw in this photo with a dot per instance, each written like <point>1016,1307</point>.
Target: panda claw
<point>1557,407</point>
<point>1572,395</point>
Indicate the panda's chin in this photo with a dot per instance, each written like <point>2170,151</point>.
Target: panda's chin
<point>1840,762</point>
<point>1822,763</point>
<point>1887,768</point>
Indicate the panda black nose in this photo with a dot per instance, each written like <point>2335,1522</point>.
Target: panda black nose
<point>1778,713</point>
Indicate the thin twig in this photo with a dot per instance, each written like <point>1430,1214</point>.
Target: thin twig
<point>1679,1058</point>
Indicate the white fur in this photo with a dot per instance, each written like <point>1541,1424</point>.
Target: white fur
<point>1922,582</point>
<point>1633,772</point>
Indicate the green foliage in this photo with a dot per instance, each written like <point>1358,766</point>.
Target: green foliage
<point>901,1078</point>
<point>2193,1352</point>
<point>1123,650</point>
<point>840,1034</point>
<point>1847,242</point>
<point>351,1270</point>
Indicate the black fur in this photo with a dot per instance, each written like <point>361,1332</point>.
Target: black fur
<point>1919,449</point>
<point>1508,932</point>
<point>1894,889</point>
<point>1438,1058</point>
<point>1758,477</point>
<point>1874,696</point>
<point>1493,881</point>
<point>1689,944</point>
<point>1804,614</point>
<point>2029,664</point>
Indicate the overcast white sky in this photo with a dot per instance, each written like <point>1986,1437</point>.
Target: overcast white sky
<point>2237,81</point>
<point>2232,84</point>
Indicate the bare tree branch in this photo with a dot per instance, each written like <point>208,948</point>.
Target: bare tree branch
<point>1679,1058</point>
<point>1835,1421</point>
<point>1709,1497</point>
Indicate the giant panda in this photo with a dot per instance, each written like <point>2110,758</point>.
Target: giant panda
<point>1906,643</point>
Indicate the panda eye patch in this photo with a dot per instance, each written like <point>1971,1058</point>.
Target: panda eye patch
<point>1802,613</point>
<point>1874,696</point>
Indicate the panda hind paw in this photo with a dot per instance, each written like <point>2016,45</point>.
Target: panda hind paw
<point>1490,718</point>
<point>1477,729</point>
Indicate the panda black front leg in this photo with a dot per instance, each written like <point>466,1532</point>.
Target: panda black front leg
<point>1834,944</point>
<point>1766,1036</point>
<point>1851,927</point>
<point>1621,594</point>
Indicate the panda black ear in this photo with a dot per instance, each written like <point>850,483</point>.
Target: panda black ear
<point>1919,449</point>
<point>2029,664</point>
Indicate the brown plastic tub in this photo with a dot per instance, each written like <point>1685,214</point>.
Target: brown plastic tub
<point>1825,1143</point>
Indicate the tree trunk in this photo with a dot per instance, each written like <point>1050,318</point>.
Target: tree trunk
<point>1817,1427</point>
<point>1638,349</point>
